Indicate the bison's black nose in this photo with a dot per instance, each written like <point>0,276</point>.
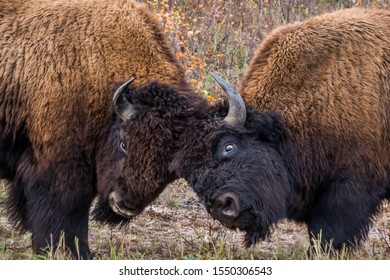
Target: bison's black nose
<point>226,208</point>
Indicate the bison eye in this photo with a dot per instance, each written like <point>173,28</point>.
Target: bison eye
<point>122,147</point>
<point>228,149</point>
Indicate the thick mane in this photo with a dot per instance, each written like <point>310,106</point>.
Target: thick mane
<point>328,76</point>
<point>10,7</point>
<point>90,36</point>
<point>321,63</point>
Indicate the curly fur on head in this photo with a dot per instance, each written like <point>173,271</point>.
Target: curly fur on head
<point>161,114</point>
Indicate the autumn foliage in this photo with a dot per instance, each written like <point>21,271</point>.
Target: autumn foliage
<point>221,35</point>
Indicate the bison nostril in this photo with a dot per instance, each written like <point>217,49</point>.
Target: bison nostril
<point>226,207</point>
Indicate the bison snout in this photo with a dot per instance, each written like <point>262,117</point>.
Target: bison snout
<point>118,205</point>
<point>226,208</point>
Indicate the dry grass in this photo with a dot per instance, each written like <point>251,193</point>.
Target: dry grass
<point>176,226</point>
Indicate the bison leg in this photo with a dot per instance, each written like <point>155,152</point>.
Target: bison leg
<point>11,148</point>
<point>51,225</point>
<point>56,201</point>
<point>343,214</point>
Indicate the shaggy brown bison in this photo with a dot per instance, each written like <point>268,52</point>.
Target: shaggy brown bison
<point>62,141</point>
<point>313,142</point>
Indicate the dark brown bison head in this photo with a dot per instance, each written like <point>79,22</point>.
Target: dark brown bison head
<point>232,160</point>
<point>135,152</point>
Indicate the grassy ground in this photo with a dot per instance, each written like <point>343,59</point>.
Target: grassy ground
<point>176,226</point>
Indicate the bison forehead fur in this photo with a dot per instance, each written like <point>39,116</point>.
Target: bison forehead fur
<point>318,149</point>
<point>161,114</point>
<point>59,135</point>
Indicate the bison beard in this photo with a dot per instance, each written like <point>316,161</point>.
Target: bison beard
<point>103,213</point>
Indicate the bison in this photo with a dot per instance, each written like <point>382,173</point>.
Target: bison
<point>63,141</point>
<point>311,142</point>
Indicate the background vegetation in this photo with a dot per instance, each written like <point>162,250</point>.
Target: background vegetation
<point>221,36</point>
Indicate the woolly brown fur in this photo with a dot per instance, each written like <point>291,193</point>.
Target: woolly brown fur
<point>329,77</point>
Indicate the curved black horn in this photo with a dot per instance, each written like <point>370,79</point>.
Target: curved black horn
<point>122,106</point>
<point>237,111</point>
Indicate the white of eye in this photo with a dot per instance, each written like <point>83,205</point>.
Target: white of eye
<point>122,147</point>
<point>229,148</point>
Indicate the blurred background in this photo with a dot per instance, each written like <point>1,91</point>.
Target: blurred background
<point>221,35</point>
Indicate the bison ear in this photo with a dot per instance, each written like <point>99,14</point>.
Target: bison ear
<point>268,126</point>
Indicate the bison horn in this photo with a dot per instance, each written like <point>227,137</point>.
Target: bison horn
<point>237,111</point>
<point>122,106</point>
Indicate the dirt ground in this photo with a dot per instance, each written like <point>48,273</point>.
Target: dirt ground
<point>176,226</point>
